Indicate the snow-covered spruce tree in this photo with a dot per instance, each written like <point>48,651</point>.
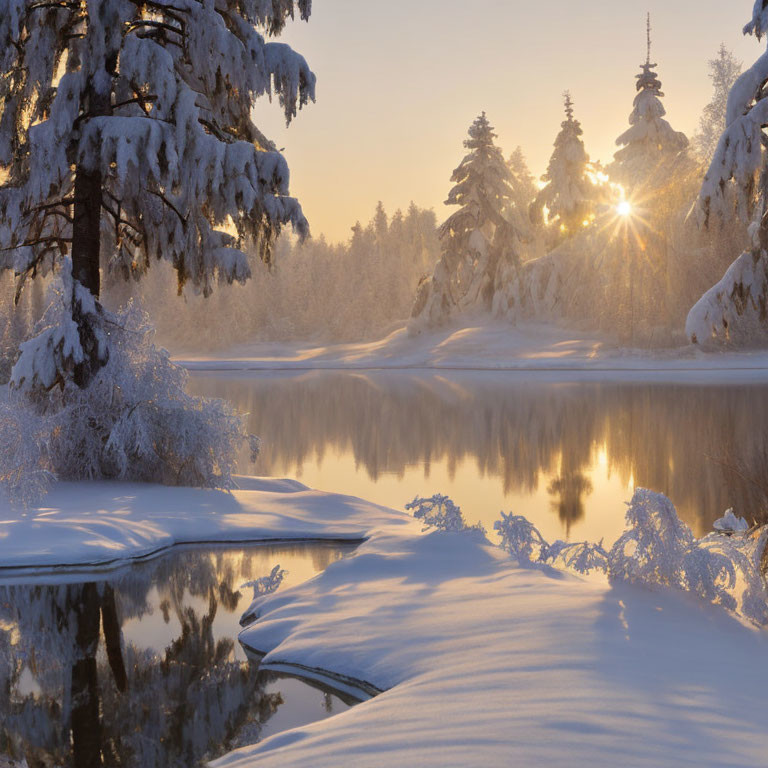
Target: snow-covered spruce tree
<point>723,72</point>
<point>126,136</point>
<point>734,310</point>
<point>476,239</point>
<point>654,169</point>
<point>650,145</point>
<point>569,194</point>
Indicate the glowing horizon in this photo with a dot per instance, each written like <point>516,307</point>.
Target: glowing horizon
<point>396,95</point>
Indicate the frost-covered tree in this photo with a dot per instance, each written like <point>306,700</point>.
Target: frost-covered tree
<point>126,135</point>
<point>650,144</point>
<point>476,239</point>
<point>734,310</point>
<point>569,193</point>
<point>524,184</point>
<point>724,70</point>
<point>362,289</point>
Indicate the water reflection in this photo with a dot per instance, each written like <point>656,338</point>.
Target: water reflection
<point>565,455</point>
<point>143,669</point>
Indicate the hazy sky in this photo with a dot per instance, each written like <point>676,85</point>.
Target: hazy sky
<point>399,83</point>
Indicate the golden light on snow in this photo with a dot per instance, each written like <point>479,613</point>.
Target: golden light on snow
<point>624,208</point>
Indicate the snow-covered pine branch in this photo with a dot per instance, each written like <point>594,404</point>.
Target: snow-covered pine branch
<point>733,311</point>
<point>126,134</point>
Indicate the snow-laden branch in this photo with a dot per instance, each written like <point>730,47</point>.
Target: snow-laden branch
<point>172,125</point>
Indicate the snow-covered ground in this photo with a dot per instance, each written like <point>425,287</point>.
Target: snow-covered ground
<point>97,524</point>
<point>480,662</point>
<point>483,663</point>
<point>492,346</point>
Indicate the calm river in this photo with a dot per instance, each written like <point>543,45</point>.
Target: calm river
<point>565,455</point>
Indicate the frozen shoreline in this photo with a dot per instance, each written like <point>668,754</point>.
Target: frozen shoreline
<point>103,525</point>
<point>533,350</point>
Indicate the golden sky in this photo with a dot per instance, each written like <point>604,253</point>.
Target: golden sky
<point>399,83</point>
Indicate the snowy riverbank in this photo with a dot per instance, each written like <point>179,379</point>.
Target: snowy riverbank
<point>95,525</point>
<point>539,349</point>
<point>480,662</point>
<point>483,663</point>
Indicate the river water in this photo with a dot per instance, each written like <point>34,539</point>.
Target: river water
<point>566,455</point>
<point>141,667</point>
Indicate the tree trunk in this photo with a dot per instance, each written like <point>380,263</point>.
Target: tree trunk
<point>86,230</point>
<point>86,248</point>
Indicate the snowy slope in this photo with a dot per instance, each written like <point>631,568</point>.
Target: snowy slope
<point>492,346</point>
<point>487,664</point>
<point>99,523</point>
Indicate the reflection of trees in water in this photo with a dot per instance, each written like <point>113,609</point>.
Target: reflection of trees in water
<point>569,491</point>
<point>661,436</point>
<point>94,702</point>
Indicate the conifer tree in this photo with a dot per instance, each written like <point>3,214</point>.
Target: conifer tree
<point>475,238</point>
<point>723,72</point>
<point>126,136</point>
<point>734,310</point>
<point>650,143</point>
<point>569,194</point>
<point>524,184</point>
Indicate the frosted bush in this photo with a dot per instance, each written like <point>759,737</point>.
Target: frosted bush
<point>657,549</point>
<point>440,512</point>
<point>521,538</point>
<point>134,421</point>
<point>581,557</point>
<point>732,564</point>
<point>651,548</point>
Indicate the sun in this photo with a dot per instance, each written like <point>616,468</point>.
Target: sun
<point>624,208</point>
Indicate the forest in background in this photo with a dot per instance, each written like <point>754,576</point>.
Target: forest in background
<point>573,261</point>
